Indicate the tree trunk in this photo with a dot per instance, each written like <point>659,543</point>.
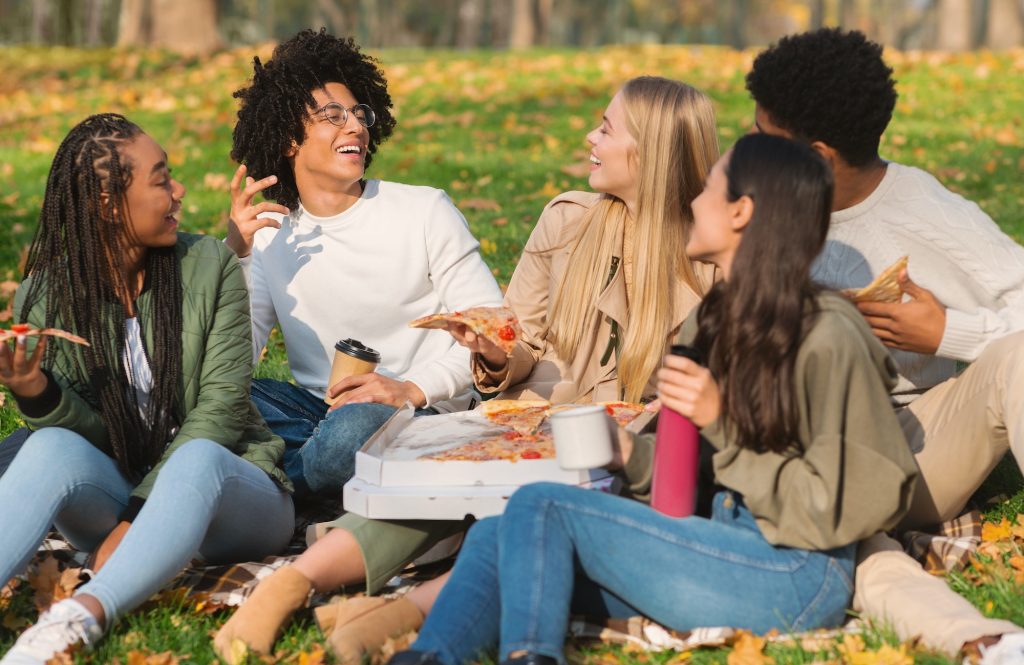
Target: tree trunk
<point>817,14</point>
<point>133,26</point>
<point>1004,24</point>
<point>185,26</point>
<point>335,17</point>
<point>523,31</point>
<point>954,29</point>
<point>42,29</point>
<point>471,17</point>
<point>94,10</point>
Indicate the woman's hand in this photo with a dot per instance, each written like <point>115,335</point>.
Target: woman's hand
<point>375,388</point>
<point>243,222</point>
<point>494,356</point>
<point>107,547</point>
<point>21,373</point>
<point>689,389</point>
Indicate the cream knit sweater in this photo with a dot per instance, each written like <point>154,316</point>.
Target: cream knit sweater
<point>956,251</point>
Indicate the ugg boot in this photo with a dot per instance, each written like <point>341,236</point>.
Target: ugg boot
<point>365,627</point>
<point>257,623</point>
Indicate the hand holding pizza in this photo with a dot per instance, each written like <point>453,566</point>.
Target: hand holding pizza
<point>915,325</point>
<point>20,372</point>
<point>491,352</point>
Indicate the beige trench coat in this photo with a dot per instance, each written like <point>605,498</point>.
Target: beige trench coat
<point>534,371</point>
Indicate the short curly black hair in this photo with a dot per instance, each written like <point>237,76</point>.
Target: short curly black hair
<point>274,107</point>
<point>827,85</point>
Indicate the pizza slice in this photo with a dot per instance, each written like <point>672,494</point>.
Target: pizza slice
<point>499,325</point>
<point>623,412</point>
<point>884,288</point>
<point>23,329</point>
<point>522,415</point>
<point>506,447</point>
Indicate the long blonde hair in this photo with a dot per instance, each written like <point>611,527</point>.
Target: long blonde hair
<point>673,125</point>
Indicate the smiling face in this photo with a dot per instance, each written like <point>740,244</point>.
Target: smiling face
<point>331,159</point>
<point>153,198</point>
<point>717,222</point>
<point>613,154</point>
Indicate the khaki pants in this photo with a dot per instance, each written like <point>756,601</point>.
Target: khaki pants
<point>958,430</point>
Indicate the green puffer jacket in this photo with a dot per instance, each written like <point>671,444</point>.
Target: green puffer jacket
<point>216,365</point>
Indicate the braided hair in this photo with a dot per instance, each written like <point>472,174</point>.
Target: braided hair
<point>275,106</point>
<point>76,265</point>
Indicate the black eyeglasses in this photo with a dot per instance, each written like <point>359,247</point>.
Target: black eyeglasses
<point>337,115</point>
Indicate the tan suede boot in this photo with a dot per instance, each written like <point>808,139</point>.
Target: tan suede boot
<point>356,633</point>
<point>256,624</point>
<point>342,610</point>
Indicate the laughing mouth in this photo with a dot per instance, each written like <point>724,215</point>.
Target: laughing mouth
<point>349,150</point>
<point>595,160</point>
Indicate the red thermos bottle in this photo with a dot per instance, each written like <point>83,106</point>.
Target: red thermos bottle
<point>676,456</point>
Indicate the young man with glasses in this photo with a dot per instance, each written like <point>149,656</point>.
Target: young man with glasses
<point>342,257</point>
<point>964,303</point>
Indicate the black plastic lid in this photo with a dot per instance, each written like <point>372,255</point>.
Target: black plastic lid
<point>687,352</point>
<point>357,350</point>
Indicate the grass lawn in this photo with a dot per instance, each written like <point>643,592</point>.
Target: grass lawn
<point>502,133</point>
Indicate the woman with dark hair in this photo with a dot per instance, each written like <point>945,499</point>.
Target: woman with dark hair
<point>795,401</point>
<point>146,451</point>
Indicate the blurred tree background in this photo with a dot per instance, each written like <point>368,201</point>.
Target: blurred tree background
<point>203,26</point>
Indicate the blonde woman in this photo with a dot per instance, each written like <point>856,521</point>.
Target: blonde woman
<point>602,284</point>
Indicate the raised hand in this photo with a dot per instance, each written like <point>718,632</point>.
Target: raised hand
<point>243,222</point>
<point>915,325</point>
<point>21,372</point>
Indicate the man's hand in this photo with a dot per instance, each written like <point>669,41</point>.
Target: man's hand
<point>915,325</point>
<point>243,222</point>
<point>107,547</point>
<point>689,389</point>
<point>375,388</point>
<point>494,356</point>
<point>20,373</point>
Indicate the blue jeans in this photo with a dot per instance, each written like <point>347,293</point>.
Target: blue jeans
<point>321,444</point>
<point>206,502</point>
<point>517,574</point>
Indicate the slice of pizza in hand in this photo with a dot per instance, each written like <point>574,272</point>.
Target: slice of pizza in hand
<point>884,288</point>
<point>23,329</point>
<point>499,325</point>
<point>522,415</point>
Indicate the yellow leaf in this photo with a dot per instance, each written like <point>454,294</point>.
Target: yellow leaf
<point>748,650</point>
<point>993,532</point>
<point>549,191</point>
<point>886,655</point>
<point>480,204</point>
<point>314,657</point>
<point>238,651</point>
<point>488,246</point>
<point>217,182</point>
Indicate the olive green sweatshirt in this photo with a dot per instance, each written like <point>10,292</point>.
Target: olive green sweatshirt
<point>855,474</point>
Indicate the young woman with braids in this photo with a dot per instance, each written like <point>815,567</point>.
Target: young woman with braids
<point>146,449</point>
<point>600,287</point>
<point>795,401</point>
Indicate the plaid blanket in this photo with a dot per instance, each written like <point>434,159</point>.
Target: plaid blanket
<point>228,586</point>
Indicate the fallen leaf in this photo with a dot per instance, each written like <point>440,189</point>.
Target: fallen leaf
<point>50,583</point>
<point>216,181</point>
<point>576,169</point>
<point>480,204</point>
<point>992,532</point>
<point>314,657</point>
<point>886,655</point>
<point>148,658</point>
<point>748,649</point>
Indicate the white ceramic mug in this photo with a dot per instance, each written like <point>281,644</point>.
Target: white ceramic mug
<point>583,437</point>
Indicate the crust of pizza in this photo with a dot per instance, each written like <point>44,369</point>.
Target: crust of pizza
<point>884,288</point>
<point>50,332</point>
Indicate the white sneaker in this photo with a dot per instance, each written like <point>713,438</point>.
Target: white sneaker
<point>66,624</point>
<point>1009,650</point>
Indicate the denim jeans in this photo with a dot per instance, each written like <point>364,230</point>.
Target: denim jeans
<point>206,502</point>
<point>321,445</point>
<point>518,573</point>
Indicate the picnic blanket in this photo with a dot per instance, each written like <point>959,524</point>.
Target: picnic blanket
<point>228,586</point>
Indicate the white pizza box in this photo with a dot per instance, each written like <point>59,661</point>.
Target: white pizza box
<point>438,503</point>
<point>391,457</point>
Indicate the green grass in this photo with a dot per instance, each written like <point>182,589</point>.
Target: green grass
<point>505,128</point>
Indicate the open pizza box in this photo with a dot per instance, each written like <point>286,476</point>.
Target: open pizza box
<point>392,481</point>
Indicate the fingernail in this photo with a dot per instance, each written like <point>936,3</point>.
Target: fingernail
<point>21,340</point>
<point>272,178</point>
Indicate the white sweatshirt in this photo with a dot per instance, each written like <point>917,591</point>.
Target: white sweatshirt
<point>956,251</point>
<point>401,252</point>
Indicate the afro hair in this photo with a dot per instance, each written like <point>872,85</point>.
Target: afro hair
<point>274,107</point>
<point>830,86</point>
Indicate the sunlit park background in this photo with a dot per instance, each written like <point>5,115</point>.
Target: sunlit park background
<point>493,99</point>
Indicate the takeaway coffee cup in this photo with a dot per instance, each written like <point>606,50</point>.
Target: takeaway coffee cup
<point>351,358</point>
<point>583,437</point>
